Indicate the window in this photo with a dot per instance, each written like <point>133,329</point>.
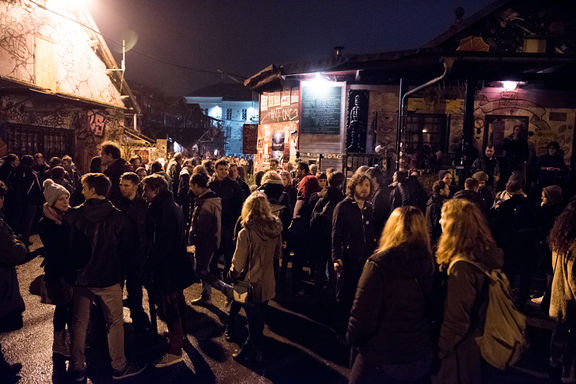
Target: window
<point>228,113</point>
<point>244,114</point>
<point>205,111</point>
<point>425,129</point>
<point>27,140</point>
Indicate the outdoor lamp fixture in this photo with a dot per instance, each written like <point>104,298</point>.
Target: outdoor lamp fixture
<point>509,85</point>
<point>319,84</point>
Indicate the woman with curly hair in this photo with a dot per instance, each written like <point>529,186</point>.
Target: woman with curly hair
<point>465,237</point>
<point>390,321</point>
<point>562,241</point>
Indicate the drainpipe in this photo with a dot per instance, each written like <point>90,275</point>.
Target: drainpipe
<point>400,128</point>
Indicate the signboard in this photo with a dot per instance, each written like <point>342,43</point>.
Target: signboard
<point>321,107</point>
<point>277,107</point>
<point>249,138</point>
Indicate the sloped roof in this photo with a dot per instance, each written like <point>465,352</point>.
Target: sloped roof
<point>227,91</point>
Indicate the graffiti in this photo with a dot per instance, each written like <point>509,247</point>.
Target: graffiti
<point>97,121</point>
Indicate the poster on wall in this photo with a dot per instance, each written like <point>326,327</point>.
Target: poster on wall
<point>357,121</point>
<point>278,144</point>
<point>249,138</point>
<point>277,140</point>
<point>286,110</point>
<point>321,104</point>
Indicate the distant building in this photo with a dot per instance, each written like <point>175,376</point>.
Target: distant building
<point>233,105</point>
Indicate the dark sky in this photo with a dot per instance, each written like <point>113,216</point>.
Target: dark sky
<point>244,36</point>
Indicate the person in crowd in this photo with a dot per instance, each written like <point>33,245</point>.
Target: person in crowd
<point>273,165</point>
<point>99,242</point>
<point>57,272</point>
<point>158,169</point>
<point>322,180</point>
<point>24,198</point>
<point>488,164</point>
<point>353,240</point>
<point>470,193</point>
<point>135,209</point>
<point>9,164</point>
<point>390,322</point>
<point>486,192</point>
<point>40,165</point>
<point>95,164</point>
<point>289,188</point>
<point>135,162</point>
<point>465,236</point>
<point>380,198</point>
<point>515,229</point>
<point>141,172</point>
<point>208,166</point>
<point>440,193</point>
<point>259,243</point>
<point>257,180</point>
<point>231,197</point>
<point>563,295</point>
<point>205,236</point>
<point>302,170</point>
<point>167,270</point>
<point>321,232</point>
<point>12,253</point>
<point>234,174</point>
<point>516,152</point>
<point>183,195</point>
<point>72,172</point>
<point>417,195</point>
<point>173,170</point>
<point>54,161</point>
<point>447,177</point>
<point>60,176</point>
<point>551,166</point>
<point>115,167</point>
<point>399,193</point>
<point>313,169</point>
<point>299,235</point>
<point>513,186</point>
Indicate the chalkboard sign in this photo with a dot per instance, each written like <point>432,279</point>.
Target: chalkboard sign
<point>321,110</point>
<point>249,138</point>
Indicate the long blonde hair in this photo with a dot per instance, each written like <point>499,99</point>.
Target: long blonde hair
<point>256,206</point>
<point>406,225</point>
<point>465,233</point>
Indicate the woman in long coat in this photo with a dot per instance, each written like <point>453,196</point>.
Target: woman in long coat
<point>258,244</point>
<point>465,236</point>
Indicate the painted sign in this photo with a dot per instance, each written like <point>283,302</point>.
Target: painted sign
<point>321,107</point>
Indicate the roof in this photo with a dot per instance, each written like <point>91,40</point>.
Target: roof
<point>227,91</point>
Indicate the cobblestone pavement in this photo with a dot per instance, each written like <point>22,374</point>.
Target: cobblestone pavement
<point>299,348</point>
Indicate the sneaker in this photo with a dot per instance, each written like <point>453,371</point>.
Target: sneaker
<point>131,369</point>
<point>202,300</point>
<point>77,376</point>
<point>168,360</point>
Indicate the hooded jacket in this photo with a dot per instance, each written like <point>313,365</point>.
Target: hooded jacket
<point>100,240</point>
<point>205,229</point>
<point>259,243</point>
<point>390,320</point>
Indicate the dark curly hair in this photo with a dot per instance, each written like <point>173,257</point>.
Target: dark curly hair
<point>563,234</point>
<point>357,179</point>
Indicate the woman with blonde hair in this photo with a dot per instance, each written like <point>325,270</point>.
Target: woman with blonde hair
<point>389,324</point>
<point>465,237</point>
<point>259,242</point>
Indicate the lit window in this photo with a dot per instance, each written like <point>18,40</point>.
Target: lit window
<point>244,114</point>
<point>228,114</point>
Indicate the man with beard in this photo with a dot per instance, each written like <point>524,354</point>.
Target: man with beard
<point>352,240</point>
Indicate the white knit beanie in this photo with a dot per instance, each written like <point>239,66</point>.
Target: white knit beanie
<point>52,191</point>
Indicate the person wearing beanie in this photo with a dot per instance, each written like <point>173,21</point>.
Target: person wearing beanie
<point>54,235</point>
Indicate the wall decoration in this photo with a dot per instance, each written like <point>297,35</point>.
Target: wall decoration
<point>357,121</point>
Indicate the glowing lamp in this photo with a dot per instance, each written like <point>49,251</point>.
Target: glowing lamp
<point>509,85</point>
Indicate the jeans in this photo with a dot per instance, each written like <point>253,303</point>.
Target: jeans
<point>255,317</point>
<point>209,280</point>
<point>171,308</point>
<point>110,300</point>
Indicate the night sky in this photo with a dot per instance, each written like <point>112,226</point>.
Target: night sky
<point>244,36</point>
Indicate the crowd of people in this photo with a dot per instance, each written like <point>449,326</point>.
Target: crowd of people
<point>383,254</point>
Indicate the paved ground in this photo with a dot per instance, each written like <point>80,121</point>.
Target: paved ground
<point>300,349</point>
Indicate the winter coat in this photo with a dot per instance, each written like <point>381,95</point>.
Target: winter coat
<point>114,171</point>
<point>182,194</point>
<point>465,305</point>
<point>563,292</point>
<point>382,208</point>
<point>231,194</point>
<point>433,214</point>
<point>135,210</point>
<point>471,196</point>
<point>490,166</point>
<point>205,229</point>
<point>259,243</point>
<point>56,255</point>
<point>174,169</point>
<point>390,321</point>
<point>168,268</point>
<point>100,240</point>
<point>300,225</point>
<point>321,220</point>
<point>399,195</point>
<point>24,186</point>
<point>12,252</point>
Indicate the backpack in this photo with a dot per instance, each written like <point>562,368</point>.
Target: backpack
<point>503,339</point>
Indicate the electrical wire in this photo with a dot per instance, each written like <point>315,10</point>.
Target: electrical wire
<point>144,54</point>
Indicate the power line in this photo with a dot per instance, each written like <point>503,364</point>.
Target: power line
<point>233,76</point>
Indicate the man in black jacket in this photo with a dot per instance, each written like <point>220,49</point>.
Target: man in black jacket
<point>231,194</point>
<point>115,167</point>
<point>135,208</point>
<point>352,239</point>
<point>99,240</point>
<point>440,193</point>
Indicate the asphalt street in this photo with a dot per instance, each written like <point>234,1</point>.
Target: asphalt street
<point>300,348</point>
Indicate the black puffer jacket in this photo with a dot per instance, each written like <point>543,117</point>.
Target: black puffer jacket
<point>389,322</point>
<point>114,171</point>
<point>55,240</point>
<point>231,194</point>
<point>168,268</point>
<point>100,239</point>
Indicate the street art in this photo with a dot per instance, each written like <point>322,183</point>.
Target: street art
<point>97,121</point>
